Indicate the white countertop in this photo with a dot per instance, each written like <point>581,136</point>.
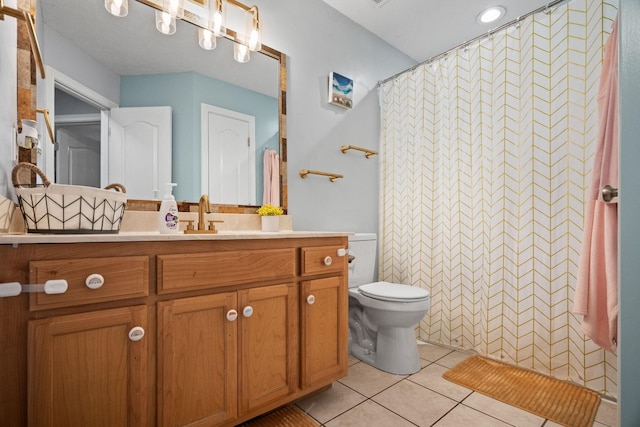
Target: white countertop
<point>140,226</point>
<point>154,236</point>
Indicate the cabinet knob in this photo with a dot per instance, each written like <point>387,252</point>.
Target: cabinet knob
<point>94,281</point>
<point>328,260</point>
<point>232,315</point>
<point>247,311</point>
<point>136,333</point>
<point>311,299</point>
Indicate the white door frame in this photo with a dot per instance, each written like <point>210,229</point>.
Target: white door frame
<point>55,79</point>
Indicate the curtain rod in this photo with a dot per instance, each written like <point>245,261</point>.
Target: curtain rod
<point>475,39</point>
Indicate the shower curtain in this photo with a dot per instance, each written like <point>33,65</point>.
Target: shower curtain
<point>486,155</point>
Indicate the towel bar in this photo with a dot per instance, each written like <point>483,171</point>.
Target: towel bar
<point>332,176</point>
<point>367,153</point>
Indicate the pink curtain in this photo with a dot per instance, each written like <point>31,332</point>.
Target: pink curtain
<point>596,296</point>
<point>271,194</point>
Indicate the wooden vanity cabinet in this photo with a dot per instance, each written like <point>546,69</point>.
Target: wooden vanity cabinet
<point>232,329</point>
<point>268,346</point>
<point>85,370</point>
<point>222,356</point>
<point>91,365</point>
<point>323,315</point>
<point>197,360</point>
<point>323,336</point>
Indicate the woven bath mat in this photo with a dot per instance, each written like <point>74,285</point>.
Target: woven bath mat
<point>559,401</point>
<point>288,416</point>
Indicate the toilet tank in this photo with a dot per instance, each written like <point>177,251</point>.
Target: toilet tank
<point>363,247</point>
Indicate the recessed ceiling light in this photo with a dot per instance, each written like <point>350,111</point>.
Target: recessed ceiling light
<point>491,14</point>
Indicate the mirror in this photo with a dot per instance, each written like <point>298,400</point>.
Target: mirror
<point>118,53</point>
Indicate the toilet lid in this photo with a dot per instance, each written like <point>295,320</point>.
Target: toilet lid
<point>393,291</point>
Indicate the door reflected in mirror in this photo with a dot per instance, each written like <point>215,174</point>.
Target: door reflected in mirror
<point>125,62</point>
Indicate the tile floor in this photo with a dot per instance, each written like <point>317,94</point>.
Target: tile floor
<point>368,397</point>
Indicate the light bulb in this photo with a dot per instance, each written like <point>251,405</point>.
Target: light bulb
<point>218,29</point>
<point>241,52</point>
<point>206,39</point>
<point>217,16</point>
<point>118,8</point>
<point>253,31</point>
<point>254,40</point>
<point>175,8</point>
<point>165,23</point>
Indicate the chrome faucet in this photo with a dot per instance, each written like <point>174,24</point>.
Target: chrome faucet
<point>203,207</point>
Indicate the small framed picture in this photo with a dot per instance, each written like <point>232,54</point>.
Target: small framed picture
<point>340,90</point>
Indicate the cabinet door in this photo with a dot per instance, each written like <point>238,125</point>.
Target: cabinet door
<point>268,344</point>
<point>323,330</point>
<point>197,361</point>
<point>84,370</point>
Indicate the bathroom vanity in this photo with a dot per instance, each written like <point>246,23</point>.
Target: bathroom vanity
<point>169,330</point>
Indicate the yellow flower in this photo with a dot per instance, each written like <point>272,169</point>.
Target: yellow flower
<point>269,210</point>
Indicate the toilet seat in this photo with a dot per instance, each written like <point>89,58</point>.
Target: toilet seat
<point>393,292</point>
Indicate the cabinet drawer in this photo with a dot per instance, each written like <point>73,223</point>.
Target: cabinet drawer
<point>124,277</point>
<point>216,269</point>
<point>322,259</point>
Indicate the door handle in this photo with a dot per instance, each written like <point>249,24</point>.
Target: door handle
<point>608,193</point>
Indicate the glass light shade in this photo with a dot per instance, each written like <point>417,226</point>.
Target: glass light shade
<point>240,52</point>
<point>165,23</point>
<point>117,7</point>
<point>175,8</point>
<point>253,32</point>
<point>254,40</point>
<point>206,39</point>
<point>219,18</point>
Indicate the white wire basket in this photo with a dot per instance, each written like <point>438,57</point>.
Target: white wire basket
<point>69,209</point>
<point>7,209</point>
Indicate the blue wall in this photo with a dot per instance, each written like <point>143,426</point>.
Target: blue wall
<point>184,92</point>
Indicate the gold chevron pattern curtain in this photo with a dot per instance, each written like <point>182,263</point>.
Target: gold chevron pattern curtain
<point>486,156</point>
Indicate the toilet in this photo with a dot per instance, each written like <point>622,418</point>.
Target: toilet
<point>382,315</point>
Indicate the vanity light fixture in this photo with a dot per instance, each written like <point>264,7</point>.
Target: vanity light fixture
<point>253,36</point>
<point>491,14</point>
<point>117,7</point>
<point>250,39</point>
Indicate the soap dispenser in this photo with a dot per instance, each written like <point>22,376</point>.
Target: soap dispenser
<point>168,215</point>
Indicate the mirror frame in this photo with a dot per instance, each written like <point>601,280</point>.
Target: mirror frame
<point>27,74</point>
<point>26,81</point>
